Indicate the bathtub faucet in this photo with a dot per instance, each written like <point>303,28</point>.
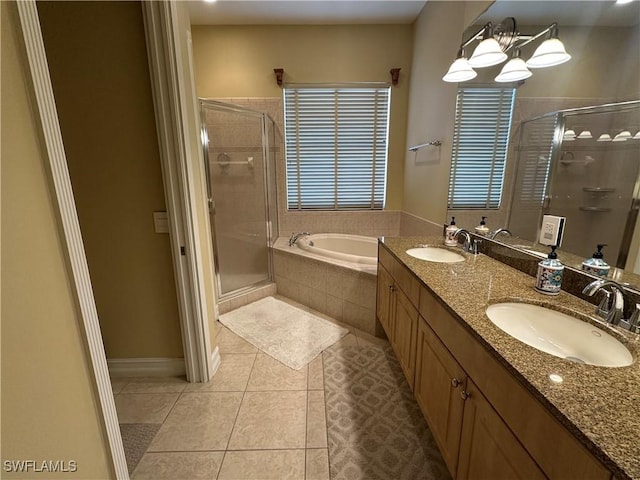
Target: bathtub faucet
<point>295,236</point>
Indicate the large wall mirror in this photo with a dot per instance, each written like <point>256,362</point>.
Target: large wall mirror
<point>594,184</point>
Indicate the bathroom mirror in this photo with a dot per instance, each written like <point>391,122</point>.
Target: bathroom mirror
<point>603,39</point>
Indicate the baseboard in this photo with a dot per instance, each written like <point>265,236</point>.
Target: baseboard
<point>146,367</point>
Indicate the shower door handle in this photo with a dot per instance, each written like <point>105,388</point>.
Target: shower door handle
<point>212,206</point>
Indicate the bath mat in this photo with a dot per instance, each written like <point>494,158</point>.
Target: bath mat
<point>288,334</point>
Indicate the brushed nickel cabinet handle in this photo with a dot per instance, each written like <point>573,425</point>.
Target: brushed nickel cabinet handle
<point>464,395</point>
<point>455,382</point>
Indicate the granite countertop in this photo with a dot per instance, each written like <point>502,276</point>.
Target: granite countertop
<point>600,405</point>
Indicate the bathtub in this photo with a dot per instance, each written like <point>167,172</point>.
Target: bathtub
<point>334,274</point>
<point>350,248</point>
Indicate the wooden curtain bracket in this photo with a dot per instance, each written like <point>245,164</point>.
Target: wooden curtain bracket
<point>395,74</point>
<point>279,74</point>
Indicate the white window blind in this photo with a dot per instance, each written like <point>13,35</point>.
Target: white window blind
<point>480,143</point>
<point>336,146</point>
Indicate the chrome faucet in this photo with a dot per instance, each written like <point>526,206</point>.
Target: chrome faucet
<point>295,236</point>
<point>506,231</point>
<point>611,307</point>
<point>468,245</point>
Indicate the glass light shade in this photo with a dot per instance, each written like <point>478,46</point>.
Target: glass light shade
<point>550,52</point>
<point>622,136</point>
<point>585,134</point>
<point>569,133</point>
<point>460,71</point>
<point>637,136</point>
<point>605,137</point>
<point>487,53</point>
<point>514,70</point>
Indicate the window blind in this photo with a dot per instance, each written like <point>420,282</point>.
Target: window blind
<point>336,146</point>
<point>480,143</point>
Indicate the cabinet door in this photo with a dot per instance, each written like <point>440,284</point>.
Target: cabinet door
<point>488,449</point>
<point>405,332</point>
<point>438,387</point>
<point>384,300</point>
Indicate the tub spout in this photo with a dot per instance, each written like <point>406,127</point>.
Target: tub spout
<point>295,236</point>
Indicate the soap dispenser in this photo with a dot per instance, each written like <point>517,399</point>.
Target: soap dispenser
<point>449,232</point>
<point>482,229</point>
<point>596,265</point>
<point>549,277</point>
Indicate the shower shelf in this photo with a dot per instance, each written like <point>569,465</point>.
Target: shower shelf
<point>594,209</point>
<point>598,189</point>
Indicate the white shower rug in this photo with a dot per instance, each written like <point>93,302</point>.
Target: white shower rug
<point>290,335</point>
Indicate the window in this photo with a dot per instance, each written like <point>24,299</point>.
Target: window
<point>336,146</point>
<point>480,142</point>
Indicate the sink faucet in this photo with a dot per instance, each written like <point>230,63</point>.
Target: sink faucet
<point>506,231</point>
<point>468,245</point>
<point>611,307</point>
<point>295,236</point>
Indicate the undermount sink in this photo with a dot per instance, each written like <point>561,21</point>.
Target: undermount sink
<point>435,254</point>
<point>559,334</point>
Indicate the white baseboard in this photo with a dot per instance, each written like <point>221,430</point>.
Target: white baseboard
<point>146,367</point>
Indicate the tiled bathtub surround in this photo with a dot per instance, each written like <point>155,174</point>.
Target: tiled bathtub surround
<point>345,294</point>
<point>377,223</point>
<point>246,298</point>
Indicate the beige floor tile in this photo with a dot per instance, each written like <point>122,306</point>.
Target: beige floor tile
<point>270,420</point>
<point>156,385</point>
<point>178,465</point>
<point>232,375</point>
<point>270,374</point>
<point>144,407</point>
<point>317,464</point>
<point>316,420</point>
<point>263,465</point>
<point>229,342</point>
<point>199,421</point>
<point>367,340</point>
<point>349,340</point>
<point>316,374</point>
<point>117,384</point>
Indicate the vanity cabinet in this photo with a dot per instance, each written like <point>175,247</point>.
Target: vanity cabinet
<point>439,384</point>
<point>486,423</point>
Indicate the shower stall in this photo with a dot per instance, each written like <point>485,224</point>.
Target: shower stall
<point>582,164</point>
<point>239,151</point>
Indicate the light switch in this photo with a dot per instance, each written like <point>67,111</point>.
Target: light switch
<point>160,222</point>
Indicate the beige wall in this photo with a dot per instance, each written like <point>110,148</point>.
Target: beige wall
<point>437,34</point>
<point>98,62</point>
<point>238,61</point>
<point>49,403</point>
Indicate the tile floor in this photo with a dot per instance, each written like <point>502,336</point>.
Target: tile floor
<point>256,419</point>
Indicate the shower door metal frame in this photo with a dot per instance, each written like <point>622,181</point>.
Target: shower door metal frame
<point>231,108</point>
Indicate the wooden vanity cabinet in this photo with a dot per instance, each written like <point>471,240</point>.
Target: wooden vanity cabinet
<point>439,385</point>
<point>487,425</point>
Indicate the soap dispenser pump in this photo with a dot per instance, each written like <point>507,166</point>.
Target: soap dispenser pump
<point>549,277</point>
<point>596,265</point>
<point>449,233</point>
<point>482,229</point>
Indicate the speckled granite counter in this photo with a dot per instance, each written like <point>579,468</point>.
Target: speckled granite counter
<point>601,406</point>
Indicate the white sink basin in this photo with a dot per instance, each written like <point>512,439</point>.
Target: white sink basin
<point>435,254</point>
<point>559,334</point>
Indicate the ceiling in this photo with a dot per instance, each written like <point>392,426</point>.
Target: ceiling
<point>304,12</point>
<point>317,12</point>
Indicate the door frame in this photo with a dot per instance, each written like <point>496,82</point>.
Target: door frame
<point>171,97</point>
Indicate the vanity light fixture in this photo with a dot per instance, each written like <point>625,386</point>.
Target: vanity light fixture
<point>496,41</point>
<point>622,136</point>
<point>460,70</point>
<point>605,137</point>
<point>637,136</point>
<point>585,134</point>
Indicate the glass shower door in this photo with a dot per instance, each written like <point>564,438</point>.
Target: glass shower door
<point>236,156</point>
